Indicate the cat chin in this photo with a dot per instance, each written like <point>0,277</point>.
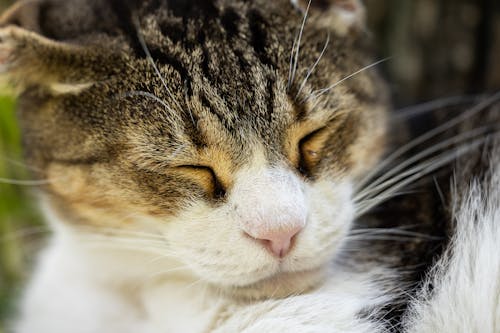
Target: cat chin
<point>280,285</point>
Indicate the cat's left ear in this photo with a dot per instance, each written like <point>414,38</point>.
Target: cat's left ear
<point>29,56</point>
<point>343,16</point>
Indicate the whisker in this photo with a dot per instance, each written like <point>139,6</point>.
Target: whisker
<point>132,244</point>
<point>113,232</point>
<point>418,169</point>
<point>429,135</point>
<point>427,167</point>
<point>96,245</point>
<point>164,257</point>
<point>294,45</point>
<point>20,164</point>
<point>311,70</point>
<point>317,93</point>
<point>158,73</point>
<point>148,95</point>
<point>297,52</point>
<point>382,238</point>
<point>168,271</point>
<point>200,280</point>
<point>24,233</point>
<point>121,240</point>
<point>415,110</point>
<point>390,231</point>
<point>27,182</point>
<point>427,152</point>
<point>439,191</point>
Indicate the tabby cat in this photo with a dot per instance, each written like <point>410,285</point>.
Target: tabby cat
<point>211,166</point>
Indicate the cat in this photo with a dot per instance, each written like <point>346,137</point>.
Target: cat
<point>208,164</point>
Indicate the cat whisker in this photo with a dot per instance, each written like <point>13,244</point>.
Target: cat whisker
<point>35,182</point>
<point>427,136</point>
<point>158,73</point>
<point>106,241</point>
<point>412,174</point>
<point>439,191</point>
<point>122,239</point>
<point>320,92</point>
<point>148,95</point>
<point>200,280</point>
<point>416,110</point>
<point>383,238</point>
<point>135,245</point>
<point>311,70</point>
<point>390,231</point>
<point>24,233</point>
<point>163,257</point>
<point>297,49</point>
<point>166,272</point>
<point>170,159</point>
<point>378,186</point>
<point>426,153</point>
<point>114,232</point>
<point>158,161</point>
<point>292,53</point>
<point>20,164</point>
<point>387,189</point>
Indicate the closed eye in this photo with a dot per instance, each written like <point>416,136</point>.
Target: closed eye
<point>205,172</point>
<point>310,148</point>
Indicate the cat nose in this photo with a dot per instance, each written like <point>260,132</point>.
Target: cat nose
<point>278,242</point>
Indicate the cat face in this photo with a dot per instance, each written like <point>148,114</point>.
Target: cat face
<point>224,127</point>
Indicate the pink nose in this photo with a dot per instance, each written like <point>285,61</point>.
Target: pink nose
<point>278,242</point>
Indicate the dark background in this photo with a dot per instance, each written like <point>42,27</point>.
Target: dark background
<point>439,48</point>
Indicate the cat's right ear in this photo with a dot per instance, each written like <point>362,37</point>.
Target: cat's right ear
<point>29,57</point>
<point>342,16</point>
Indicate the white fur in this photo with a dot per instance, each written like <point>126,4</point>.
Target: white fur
<point>333,308</point>
<point>94,283</point>
<point>68,296</point>
<point>466,281</point>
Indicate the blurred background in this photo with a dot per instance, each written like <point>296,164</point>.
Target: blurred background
<point>21,231</point>
<point>438,49</point>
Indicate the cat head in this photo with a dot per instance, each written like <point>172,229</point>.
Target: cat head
<point>234,131</point>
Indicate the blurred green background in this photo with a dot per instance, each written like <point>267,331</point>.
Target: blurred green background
<point>19,220</point>
<point>21,230</point>
<point>439,48</point>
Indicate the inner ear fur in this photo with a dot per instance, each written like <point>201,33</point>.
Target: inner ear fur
<point>28,57</point>
<point>343,16</point>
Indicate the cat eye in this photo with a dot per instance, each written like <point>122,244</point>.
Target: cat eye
<point>214,185</point>
<point>310,148</point>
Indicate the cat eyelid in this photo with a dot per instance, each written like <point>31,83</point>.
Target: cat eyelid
<point>308,137</point>
<point>194,166</point>
<point>219,190</point>
<point>309,153</point>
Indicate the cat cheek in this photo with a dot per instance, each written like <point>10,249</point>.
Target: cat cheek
<point>331,214</point>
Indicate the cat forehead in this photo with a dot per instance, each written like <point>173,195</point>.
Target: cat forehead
<point>222,65</point>
<point>229,62</point>
<point>182,71</point>
<point>227,55</point>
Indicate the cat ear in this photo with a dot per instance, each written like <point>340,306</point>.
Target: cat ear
<point>343,16</point>
<point>28,57</point>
